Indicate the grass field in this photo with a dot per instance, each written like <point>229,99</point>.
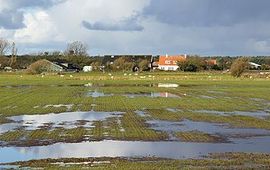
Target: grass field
<point>197,96</point>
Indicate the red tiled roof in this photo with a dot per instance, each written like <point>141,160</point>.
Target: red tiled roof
<point>171,60</point>
<point>212,62</point>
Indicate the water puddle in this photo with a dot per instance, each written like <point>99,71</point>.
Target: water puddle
<point>257,114</point>
<point>174,110</point>
<point>168,85</point>
<point>65,120</point>
<point>169,149</point>
<point>211,128</point>
<point>152,94</point>
<point>161,85</point>
<point>97,93</point>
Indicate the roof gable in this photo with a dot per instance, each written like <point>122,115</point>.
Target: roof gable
<point>171,60</point>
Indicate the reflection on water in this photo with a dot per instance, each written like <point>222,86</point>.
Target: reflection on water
<point>177,150</point>
<point>210,128</point>
<point>168,85</point>
<point>257,114</point>
<point>66,120</point>
<point>97,93</point>
<point>152,94</point>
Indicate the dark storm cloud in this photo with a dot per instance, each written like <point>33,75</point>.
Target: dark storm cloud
<point>130,24</point>
<point>12,16</point>
<point>11,20</point>
<point>33,3</point>
<point>208,12</point>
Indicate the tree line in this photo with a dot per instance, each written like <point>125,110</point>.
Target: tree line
<point>77,53</point>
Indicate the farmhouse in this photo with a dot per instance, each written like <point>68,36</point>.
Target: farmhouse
<point>170,62</point>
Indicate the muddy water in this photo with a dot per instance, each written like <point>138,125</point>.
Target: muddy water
<point>176,150</point>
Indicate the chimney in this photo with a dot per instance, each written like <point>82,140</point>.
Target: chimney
<point>167,55</point>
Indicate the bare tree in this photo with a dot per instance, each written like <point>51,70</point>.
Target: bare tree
<point>76,48</point>
<point>4,46</point>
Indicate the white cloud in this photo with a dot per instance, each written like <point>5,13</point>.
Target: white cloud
<point>39,29</point>
<point>139,26</point>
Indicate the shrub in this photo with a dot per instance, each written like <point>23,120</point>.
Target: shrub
<point>239,66</point>
<point>38,67</point>
<point>144,65</point>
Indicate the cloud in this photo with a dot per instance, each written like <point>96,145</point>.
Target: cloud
<point>207,27</point>
<point>130,24</point>
<point>11,20</point>
<point>12,11</point>
<point>208,12</point>
<point>39,28</point>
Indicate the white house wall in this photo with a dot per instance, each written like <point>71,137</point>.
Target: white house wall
<point>167,68</point>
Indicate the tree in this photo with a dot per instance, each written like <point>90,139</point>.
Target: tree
<point>13,59</point>
<point>96,65</point>
<point>76,53</point>
<point>192,64</point>
<point>144,65</point>
<point>123,63</point>
<point>224,63</point>
<point>265,67</point>
<point>76,48</point>
<point>4,46</point>
<point>239,66</point>
<point>4,61</point>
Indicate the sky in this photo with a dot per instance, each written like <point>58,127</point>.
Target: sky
<point>204,27</point>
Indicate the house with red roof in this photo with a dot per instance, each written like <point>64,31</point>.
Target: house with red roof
<point>169,63</point>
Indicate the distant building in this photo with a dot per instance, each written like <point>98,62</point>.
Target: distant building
<point>44,65</point>
<point>67,67</point>
<point>211,62</point>
<point>169,63</point>
<point>87,68</point>
<point>254,65</point>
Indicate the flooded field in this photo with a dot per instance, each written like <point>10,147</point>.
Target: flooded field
<point>132,120</point>
<point>175,150</point>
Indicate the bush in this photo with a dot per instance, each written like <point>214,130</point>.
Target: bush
<point>144,65</point>
<point>239,66</point>
<point>38,67</point>
<point>265,67</point>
